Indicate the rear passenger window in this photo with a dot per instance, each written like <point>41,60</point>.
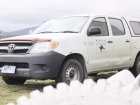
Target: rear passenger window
<point>136,27</point>
<point>100,22</point>
<point>117,26</point>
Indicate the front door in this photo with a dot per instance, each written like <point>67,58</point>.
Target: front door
<point>100,47</point>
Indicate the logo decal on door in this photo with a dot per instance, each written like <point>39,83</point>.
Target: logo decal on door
<point>100,46</point>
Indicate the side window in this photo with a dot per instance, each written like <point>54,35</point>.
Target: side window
<point>136,27</point>
<point>100,22</point>
<point>117,26</point>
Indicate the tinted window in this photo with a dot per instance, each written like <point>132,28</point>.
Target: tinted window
<point>100,22</point>
<point>117,26</point>
<point>136,27</point>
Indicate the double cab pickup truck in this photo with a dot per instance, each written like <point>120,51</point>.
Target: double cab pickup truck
<point>71,48</point>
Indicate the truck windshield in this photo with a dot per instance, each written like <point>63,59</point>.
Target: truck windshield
<point>63,25</point>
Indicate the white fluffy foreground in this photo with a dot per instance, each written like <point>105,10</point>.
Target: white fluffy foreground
<point>104,92</point>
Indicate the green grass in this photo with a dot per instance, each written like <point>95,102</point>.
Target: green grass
<point>10,93</point>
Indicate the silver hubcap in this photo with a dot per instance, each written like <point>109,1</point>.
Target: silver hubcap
<point>72,73</point>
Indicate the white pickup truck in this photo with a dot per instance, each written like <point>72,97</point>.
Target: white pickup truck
<point>71,48</point>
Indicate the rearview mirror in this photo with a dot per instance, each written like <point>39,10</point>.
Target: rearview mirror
<point>94,31</point>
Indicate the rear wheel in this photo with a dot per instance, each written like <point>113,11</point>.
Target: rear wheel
<point>71,70</point>
<point>13,80</point>
<point>135,70</point>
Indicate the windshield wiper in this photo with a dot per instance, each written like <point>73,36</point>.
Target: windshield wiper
<point>68,32</point>
<point>46,32</point>
<point>58,32</point>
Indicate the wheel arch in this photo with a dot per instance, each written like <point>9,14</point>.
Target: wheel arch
<point>135,68</point>
<point>138,54</point>
<point>78,57</point>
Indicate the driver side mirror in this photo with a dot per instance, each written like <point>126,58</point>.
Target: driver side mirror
<point>94,31</point>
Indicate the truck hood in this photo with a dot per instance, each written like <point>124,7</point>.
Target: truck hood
<point>40,37</point>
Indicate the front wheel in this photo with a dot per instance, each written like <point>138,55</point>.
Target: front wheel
<point>13,80</point>
<point>135,70</point>
<point>71,70</point>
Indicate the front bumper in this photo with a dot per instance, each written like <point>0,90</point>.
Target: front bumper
<point>41,65</point>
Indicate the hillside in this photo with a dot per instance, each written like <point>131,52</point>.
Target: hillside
<point>19,32</point>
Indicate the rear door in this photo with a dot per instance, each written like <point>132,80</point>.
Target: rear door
<point>122,42</point>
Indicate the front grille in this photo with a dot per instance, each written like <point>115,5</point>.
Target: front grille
<point>21,51</point>
<point>17,44</point>
<point>18,65</point>
<point>20,47</point>
<point>3,51</point>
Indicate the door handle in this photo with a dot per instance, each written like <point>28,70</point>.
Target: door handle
<point>127,41</point>
<point>110,41</point>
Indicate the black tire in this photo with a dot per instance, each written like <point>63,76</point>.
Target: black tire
<point>135,70</point>
<point>93,74</point>
<point>71,70</point>
<point>13,80</point>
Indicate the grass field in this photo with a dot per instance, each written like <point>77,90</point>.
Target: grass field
<point>10,93</point>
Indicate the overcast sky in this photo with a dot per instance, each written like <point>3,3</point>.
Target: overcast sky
<point>20,14</point>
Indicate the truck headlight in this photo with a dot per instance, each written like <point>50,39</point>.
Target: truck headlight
<point>41,47</point>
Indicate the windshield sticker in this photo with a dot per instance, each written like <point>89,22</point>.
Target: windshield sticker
<point>100,46</point>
